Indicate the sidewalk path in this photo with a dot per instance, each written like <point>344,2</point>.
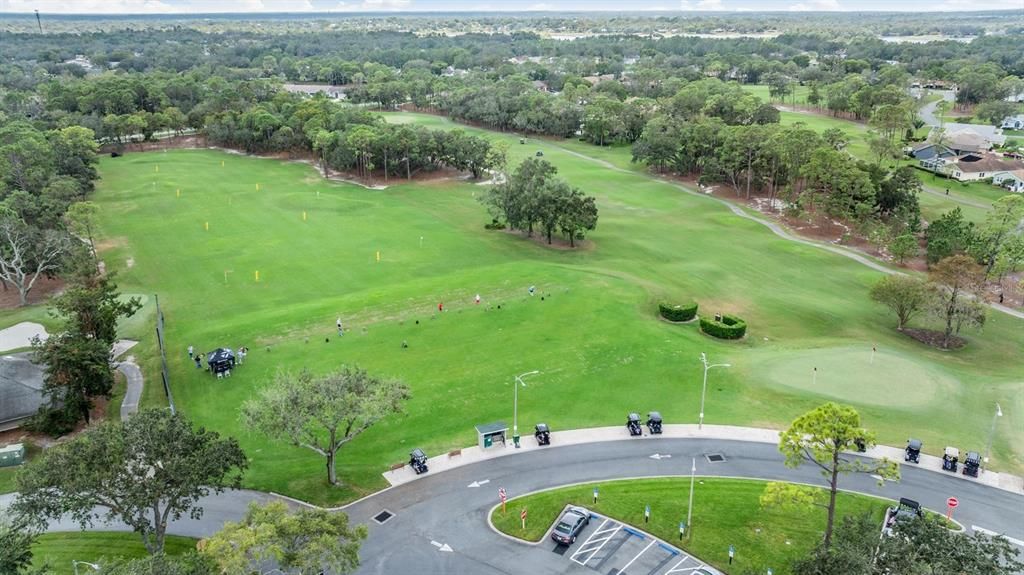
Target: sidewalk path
<point>132,375</point>
<point>470,455</point>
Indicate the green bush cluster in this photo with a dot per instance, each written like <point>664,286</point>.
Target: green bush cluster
<point>729,327</point>
<point>678,312</point>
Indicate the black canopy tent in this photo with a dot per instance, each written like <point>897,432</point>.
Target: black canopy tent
<point>220,360</point>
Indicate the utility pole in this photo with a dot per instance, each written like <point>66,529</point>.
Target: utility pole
<point>39,22</point>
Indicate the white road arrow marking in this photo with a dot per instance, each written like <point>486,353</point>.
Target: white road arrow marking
<point>479,483</point>
<point>441,546</point>
<point>991,533</point>
<point>659,456</point>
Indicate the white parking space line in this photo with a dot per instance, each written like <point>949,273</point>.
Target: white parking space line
<point>597,542</point>
<point>678,569</point>
<point>637,556</point>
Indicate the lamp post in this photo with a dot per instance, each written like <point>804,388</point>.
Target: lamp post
<point>992,431</point>
<point>75,564</point>
<point>704,390</point>
<point>515,405</point>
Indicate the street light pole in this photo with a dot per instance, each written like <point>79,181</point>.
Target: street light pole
<point>704,390</point>
<point>75,564</point>
<point>515,405</point>
<point>689,508</point>
<point>992,431</point>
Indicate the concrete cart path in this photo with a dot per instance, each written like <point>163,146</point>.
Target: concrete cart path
<point>475,454</point>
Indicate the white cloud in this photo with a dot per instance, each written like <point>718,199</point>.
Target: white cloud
<point>816,6</point>
<point>703,5</point>
<point>540,7</point>
<point>374,6</point>
<point>969,5</point>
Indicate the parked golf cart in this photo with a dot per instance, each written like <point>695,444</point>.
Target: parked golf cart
<point>861,446</point>
<point>950,457</point>
<point>542,433</point>
<point>906,509</point>
<point>913,451</point>
<point>654,422</point>
<point>418,461</point>
<point>633,424</point>
<point>972,463</point>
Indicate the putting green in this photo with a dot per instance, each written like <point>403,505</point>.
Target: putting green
<point>851,374</point>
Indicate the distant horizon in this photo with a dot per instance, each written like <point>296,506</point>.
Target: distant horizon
<point>263,8</point>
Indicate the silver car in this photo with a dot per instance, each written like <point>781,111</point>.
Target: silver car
<point>569,525</point>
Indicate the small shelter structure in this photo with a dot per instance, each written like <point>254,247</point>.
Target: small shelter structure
<point>220,360</point>
<point>490,433</point>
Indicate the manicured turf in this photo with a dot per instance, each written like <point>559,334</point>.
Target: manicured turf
<point>58,550</point>
<point>725,512</point>
<point>594,335</point>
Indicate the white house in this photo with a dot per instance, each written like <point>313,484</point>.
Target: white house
<point>972,167</point>
<point>1011,180</point>
<point>1013,122</point>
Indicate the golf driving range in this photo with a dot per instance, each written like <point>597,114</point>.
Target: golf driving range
<point>264,253</point>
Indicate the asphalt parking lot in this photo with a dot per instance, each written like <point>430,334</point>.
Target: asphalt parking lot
<point>609,547</point>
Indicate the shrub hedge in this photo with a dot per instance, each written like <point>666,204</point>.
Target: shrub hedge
<point>730,327</point>
<point>678,312</point>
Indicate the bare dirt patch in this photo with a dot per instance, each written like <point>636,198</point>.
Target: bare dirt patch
<point>934,338</point>
<point>41,291</point>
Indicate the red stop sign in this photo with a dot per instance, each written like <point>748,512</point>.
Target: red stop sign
<point>952,502</point>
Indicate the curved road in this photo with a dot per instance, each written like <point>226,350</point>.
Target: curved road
<point>443,508</point>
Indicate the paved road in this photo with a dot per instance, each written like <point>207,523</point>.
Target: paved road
<point>443,509</point>
<point>927,112</point>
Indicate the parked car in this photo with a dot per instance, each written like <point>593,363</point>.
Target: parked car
<point>569,525</point>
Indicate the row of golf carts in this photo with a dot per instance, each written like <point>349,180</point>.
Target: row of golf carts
<point>418,459</point>
<point>950,458</point>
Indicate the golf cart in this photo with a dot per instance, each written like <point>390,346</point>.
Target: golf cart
<point>972,463</point>
<point>418,461</point>
<point>633,424</point>
<point>907,509</point>
<point>861,446</point>
<point>654,422</point>
<point>913,451</point>
<point>950,457</point>
<point>539,153</point>
<point>542,433</point>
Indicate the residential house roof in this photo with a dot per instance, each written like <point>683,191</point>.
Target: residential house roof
<point>987,163</point>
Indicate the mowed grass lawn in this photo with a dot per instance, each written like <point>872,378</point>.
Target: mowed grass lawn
<point>725,512</point>
<point>58,550</point>
<point>594,334</point>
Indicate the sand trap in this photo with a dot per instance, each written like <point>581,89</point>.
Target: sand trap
<point>20,335</point>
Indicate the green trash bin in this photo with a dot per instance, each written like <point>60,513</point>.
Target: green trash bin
<point>12,455</point>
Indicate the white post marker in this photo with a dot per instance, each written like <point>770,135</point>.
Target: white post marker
<point>682,529</point>
<point>647,513</point>
<point>595,496</point>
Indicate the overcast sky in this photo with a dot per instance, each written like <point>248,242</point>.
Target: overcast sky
<point>196,6</point>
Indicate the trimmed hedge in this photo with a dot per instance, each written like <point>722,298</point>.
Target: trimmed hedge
<point>679,312</point>
<point>730,327</point>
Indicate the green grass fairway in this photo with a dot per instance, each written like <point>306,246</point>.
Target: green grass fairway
<point>58,550</point>
<point>594,335</point>
<point>725,512</point>
<point>849,375</point>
